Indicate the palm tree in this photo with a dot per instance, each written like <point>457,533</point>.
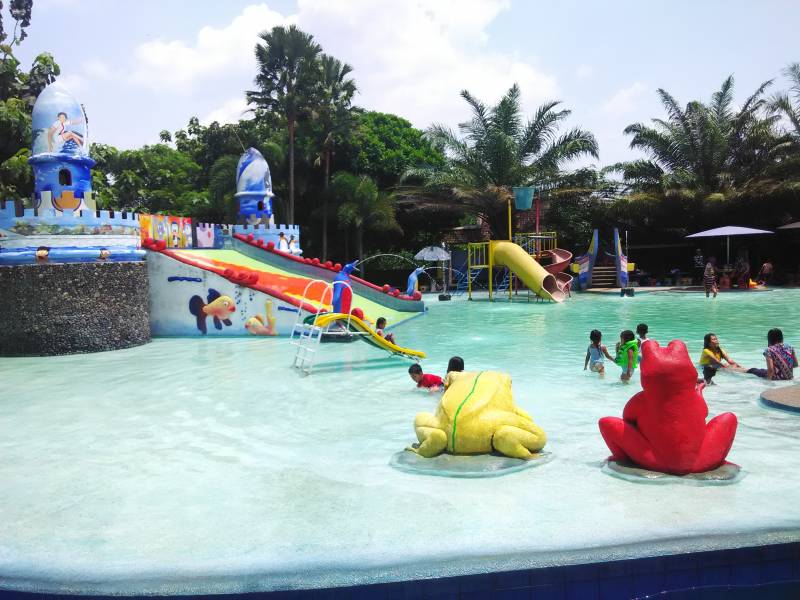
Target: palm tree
<point>496,151</point>
<point>788,106</point>
<point>335,115</point>
<point>362,206</point>
<point>705,148</point>
<point>286,80</point>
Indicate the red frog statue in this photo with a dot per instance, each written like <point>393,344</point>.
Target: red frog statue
<point>663,427</point>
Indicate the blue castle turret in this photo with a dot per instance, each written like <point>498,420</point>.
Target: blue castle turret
<point>60,150</point>
<point>253,186</point>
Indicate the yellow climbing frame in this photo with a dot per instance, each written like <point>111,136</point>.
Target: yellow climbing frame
<point>480,255</point>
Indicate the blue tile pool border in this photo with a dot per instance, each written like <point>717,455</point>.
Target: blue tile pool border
<point>771,571</point>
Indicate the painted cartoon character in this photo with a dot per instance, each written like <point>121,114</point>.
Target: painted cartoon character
<point>342,292</point>
<point>161,230</point>
<point>175,235</point>
<point>663,428</point>
<point>219,307</point>
<point>58,131</point>
<point>477,415</point>
<point>187,233</point>
<point>260,325</point>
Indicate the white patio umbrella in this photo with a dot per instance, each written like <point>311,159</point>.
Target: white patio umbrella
<point>727,232</point>
<point>435,253</point>
<point>795,225</point>
<point>432,253</point>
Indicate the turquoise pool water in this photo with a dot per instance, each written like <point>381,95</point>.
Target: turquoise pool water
<point>208,465</point>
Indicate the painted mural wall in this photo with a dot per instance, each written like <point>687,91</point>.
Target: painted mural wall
<point>187,301</point>
<point>175,231</point>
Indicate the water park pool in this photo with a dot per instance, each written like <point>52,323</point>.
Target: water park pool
<point>208,465</point>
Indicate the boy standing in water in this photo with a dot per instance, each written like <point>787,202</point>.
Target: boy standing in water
<point>628,354</point>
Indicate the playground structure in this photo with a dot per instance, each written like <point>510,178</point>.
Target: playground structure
<point>520,262</point>
<point>191,279</point>
<point>591,274</point>
<point>307,332</point>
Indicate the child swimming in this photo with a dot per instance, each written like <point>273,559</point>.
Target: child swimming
<point>595,353</point>
<point>627,354</point>
<point>712,357</point>
<point>432,383</point>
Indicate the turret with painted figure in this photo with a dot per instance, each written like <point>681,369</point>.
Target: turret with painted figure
<point>254,188</point>
<point>60,152</point>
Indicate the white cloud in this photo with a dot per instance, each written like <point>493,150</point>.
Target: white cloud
<point>584,71</point>
<point>624,100</point>
<point>76,84</point>
<point>413,58</point>
<point>230,112</point>
<point>175,64</point>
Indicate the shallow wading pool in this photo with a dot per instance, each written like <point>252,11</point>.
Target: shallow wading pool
<point>198,466</point>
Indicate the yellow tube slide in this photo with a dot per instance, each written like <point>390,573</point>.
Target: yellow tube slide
<point>530,272</point>
<point>374,338</point>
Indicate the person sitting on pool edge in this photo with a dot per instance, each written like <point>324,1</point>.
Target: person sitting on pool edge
<point>456,365</point>
<point>712,357</point>
<point>781,359</point>
<point>627,354</point>
<point>425,380</point>
<point>380,325</point>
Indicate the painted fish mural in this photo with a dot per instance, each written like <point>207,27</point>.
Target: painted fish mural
<point>219,307</point>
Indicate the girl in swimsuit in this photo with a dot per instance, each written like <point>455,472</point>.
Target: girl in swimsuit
<point>710,278</point>
<point>595,353</point>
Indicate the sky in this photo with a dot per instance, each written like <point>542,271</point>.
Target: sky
<point>143,66</point>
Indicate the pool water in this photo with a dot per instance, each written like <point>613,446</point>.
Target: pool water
<point>209,465</point>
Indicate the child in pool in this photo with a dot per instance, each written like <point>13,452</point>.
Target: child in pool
<point>712,357</point>
<point>380,325</point>
<point>433,383</point>
<point>456,365</point>
<point>595,353</point>
<point>627,354</point>
<point>781,359</point>
<point>641,332</point>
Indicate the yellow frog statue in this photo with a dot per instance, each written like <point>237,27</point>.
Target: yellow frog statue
<point>477,415</point>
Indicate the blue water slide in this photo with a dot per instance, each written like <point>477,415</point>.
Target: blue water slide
<point>620,261</point>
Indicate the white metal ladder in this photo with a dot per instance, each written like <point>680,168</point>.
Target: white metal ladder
<point>306,337</point>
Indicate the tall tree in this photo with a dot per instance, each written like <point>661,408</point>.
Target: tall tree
<point>334,113</point>
<point>498,150</point>
<point>286,80</point>
<point>788,104</point>
<point>704,149</point>
<point>362,206</point>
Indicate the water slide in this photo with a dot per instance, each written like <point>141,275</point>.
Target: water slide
<point>370,336</point>
<point>188,287</point>
<point>560,260</point>
<point>620,261</point>
<point>530,272</point>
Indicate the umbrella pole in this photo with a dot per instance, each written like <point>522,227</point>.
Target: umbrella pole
<point>728,260</point>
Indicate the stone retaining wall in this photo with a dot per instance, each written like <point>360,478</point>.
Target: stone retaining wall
<point>70,308</point>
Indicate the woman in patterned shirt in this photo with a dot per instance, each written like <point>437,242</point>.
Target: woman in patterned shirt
<point>781,359</point>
